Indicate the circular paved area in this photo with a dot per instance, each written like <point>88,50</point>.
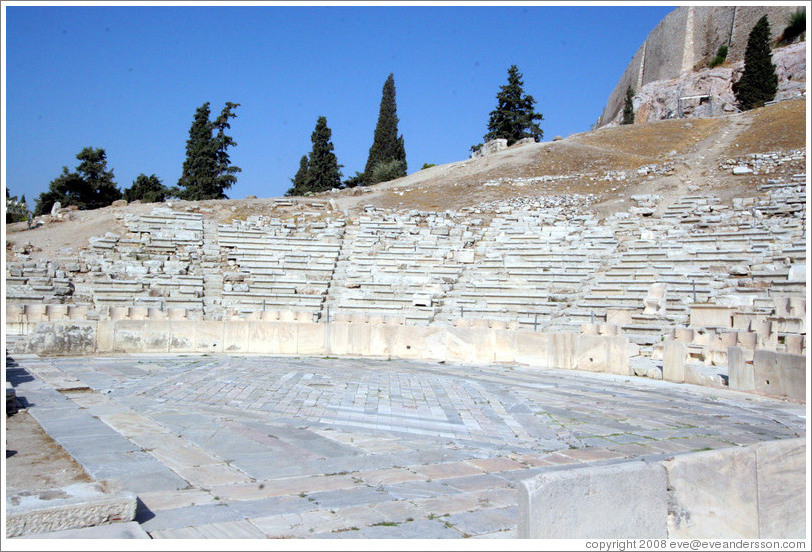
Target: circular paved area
<point>219,446</point>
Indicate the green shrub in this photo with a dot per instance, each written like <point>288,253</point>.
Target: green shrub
<point>147,189</point>
<point>427,166</point>
<point>353,181</point>
<point>387,170</point>
<point>721,56</point>
<point>796,26</point>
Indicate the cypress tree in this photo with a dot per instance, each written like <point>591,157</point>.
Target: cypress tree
<point>514,117</point>
<point>225,170</point>
<point>300,180</point>
<point>387,146</point>
<point>323,171</point>
<point>759,81</point>
<point>207,170</point>
<point>628,107</point>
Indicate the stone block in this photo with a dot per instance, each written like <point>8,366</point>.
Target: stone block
<point>464,256</point>
<point>421,300</point>
<point>713,494</point>
<point>71,507</point>
<point>780,374</point>
<point>595,503</point>
<point>433,345</point>
<point>602,353</point>
<point>795,344</point>
<point>118,313</point>
<point>208,336</point>
<point>797,273</point>
<point>272,337</point>
<point>236,336</point>
<point>707,316</point>
<point>382,340</point>
<point>104,335</point>
<point>311,339</point>
<point>63,337</point>
<point>504,345</point>
<point>782,500</point>
<point>701,374</point>
<point>183,336</point>
<point>740,372</point>
<point>128,335</point>
<point>408,341</point>
<point>482,345</point>
<point>532,348</point>
<point>675,354</point>
<point>126,530</point>
<point>619,316</point>
<point>338,337</point>
<point>156,336</point>
<point>561,350</point>
<point>359,340</point>
<point>459,345</point>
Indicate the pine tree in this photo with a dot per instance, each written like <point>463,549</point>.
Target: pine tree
<point>300,180</point>
<point>323,171</point>
<point>207,170</point>
<point>148,189</point>
<point>514,117</point>
<point>759,81</point>
<point>628,107</point>
<point>90,186</point>
<point>387,146</point>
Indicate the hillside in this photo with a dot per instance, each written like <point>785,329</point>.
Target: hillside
<point>610,164</point>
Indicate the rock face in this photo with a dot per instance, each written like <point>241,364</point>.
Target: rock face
<point>684,41</point>
<point>709,92</point>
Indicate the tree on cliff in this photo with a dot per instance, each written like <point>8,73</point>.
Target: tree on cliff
<point>207,170</point>
<point>320,171</point>
<point>628,107</point>
<point>514,117</point>
<point>759,81</point>
<point>387,147</point>
<point>90,186</point>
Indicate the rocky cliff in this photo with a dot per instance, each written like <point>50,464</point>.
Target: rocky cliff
<point>708,92</point>
<point>676,53</point>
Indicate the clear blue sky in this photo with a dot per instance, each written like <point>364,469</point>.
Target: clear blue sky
<point>128,79</point>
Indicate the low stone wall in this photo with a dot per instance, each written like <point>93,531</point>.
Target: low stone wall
<point>770,373</point>
<point>72,507</point>
<point>752,492</point>
<point>594,353</point>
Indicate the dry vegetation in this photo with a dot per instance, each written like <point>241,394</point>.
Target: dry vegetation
<point>652,141</point>
<point>780,126</point>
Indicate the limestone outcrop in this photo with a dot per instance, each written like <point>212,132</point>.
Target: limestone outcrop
<point>683,43</point>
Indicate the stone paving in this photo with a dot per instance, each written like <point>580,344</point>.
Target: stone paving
<point>257,447</point>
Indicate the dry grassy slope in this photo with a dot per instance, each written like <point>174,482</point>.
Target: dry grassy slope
<point>693,146</point>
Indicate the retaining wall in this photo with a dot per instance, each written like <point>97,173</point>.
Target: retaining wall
<point>757,491</point>
<point>555,350</point>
